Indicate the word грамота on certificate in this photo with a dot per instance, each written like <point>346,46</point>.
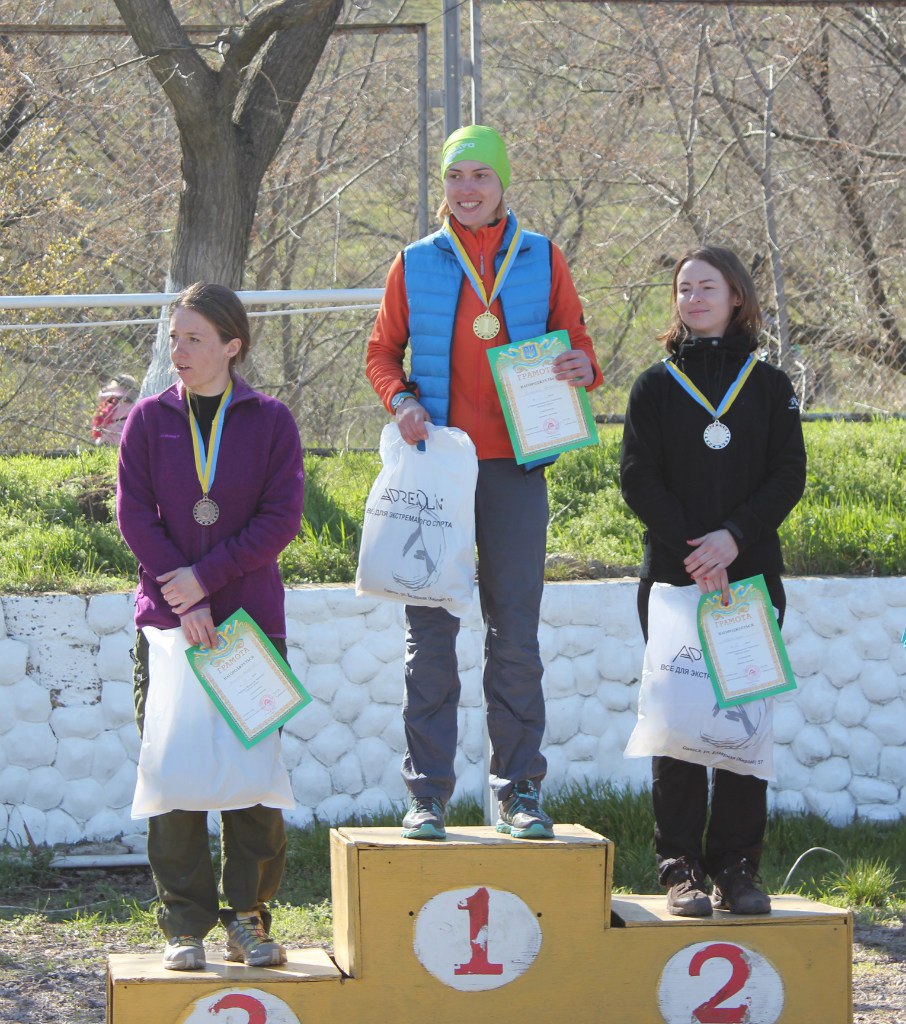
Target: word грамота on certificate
<point>741,644</point>
<point>247,679</point>
<point>544,416</point>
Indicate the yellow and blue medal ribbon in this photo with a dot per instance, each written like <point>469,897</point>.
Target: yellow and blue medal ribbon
<point>468,268</point>
<point>206,462</point>
<point>717,434</point>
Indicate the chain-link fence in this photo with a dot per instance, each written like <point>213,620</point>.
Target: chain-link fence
<point>80,369</point>
<point>634,130</point>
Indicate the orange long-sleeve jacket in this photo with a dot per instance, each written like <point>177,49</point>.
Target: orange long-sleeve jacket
<point>474,403</point>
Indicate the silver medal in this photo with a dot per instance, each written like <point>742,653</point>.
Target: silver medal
<point>717,435</point>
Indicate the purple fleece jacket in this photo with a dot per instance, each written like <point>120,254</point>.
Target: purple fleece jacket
<point>258,486</point>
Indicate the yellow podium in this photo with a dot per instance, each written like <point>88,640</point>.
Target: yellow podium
<point>484,926</point>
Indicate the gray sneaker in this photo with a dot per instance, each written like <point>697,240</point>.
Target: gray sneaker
<point>424,819</point>
<point>247,942</point>
<point>184,953</point>
<point>521,816</point>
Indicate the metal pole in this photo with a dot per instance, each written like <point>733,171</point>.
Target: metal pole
<point>452,68</point>
<point>475,46</point>
<point>422,130</point>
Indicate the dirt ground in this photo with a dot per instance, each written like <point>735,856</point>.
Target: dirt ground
<point>51,975</point>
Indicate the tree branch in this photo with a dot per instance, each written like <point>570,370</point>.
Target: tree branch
<point>185,78</point>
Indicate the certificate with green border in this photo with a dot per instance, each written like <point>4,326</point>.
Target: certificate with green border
<point>544,416</point>
<point>247,679</point>
<point>741,644</point>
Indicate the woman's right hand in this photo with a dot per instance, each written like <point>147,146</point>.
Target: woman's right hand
<point>411,417</point>
<point>181,589</point>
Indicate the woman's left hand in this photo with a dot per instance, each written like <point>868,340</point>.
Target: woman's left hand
<point>575,368</point>
<point>716,580</point>
<point>707,564</point>
<point>198,627</point>
<point>181,589</point>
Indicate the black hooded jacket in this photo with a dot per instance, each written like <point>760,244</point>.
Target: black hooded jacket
<point>681,489</point>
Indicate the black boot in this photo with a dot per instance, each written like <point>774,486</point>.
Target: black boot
<point>735,889</point>
<point>686,895</point>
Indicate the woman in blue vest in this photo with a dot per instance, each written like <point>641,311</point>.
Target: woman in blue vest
<point>477,283</point>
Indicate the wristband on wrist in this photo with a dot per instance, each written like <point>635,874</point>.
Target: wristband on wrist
<point>399,398</point>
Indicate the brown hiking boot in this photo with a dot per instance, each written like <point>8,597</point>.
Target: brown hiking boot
<point>686,895</point>
<point>735,890</point>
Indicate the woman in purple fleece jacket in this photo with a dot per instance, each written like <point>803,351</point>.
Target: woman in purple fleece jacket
<point>209,493</point>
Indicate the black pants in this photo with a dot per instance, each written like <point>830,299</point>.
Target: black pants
<point>680,795</point>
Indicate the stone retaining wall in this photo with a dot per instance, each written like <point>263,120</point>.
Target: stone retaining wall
<point>68,744</point>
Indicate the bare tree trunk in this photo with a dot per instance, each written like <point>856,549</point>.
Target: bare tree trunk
<point>231,121</point>
<point>763,167</point>
<point>770,221</point>
<point>846,171</point>
<point>686,118</point>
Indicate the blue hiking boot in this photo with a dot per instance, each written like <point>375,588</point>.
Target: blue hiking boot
<point>521,815</point>
<point>424,819</point>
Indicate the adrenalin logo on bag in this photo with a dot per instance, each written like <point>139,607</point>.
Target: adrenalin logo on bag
<point>686,653</point>
<point>412,499</point>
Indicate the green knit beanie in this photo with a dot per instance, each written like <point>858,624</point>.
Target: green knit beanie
<point>480,143</point>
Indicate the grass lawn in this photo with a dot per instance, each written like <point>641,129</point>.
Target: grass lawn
<point>61,534</point>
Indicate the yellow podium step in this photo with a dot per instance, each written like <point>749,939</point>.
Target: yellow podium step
<point>792,966</point>
<point>140,991</point>
<point>486,927</point>
<point>390,894</point>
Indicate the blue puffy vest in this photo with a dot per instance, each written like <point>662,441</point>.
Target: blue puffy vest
<point>433,282</point>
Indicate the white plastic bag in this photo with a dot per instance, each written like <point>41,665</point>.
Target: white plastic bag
<point>190,759</point>
<point>678,713</point>
<point>418,537</point>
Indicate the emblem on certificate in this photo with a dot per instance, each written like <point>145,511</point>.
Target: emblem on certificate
<point>544,416</point>
<point>206,512</point>
<point>741,644</point>
<point>717,435</point>
<point>486,326</point>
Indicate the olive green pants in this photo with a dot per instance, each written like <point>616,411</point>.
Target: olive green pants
<point>252,850</point>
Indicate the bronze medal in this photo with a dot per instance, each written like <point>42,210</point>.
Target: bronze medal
<point>205,511</point>
<point>486,326</point>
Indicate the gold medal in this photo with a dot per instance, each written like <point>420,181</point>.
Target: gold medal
<point>205,511</point>
<point>486,326</point>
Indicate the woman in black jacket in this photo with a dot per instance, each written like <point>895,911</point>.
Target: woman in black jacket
<point>713,461</point>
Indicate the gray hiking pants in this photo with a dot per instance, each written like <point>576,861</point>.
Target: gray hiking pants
<point>511,514</point>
